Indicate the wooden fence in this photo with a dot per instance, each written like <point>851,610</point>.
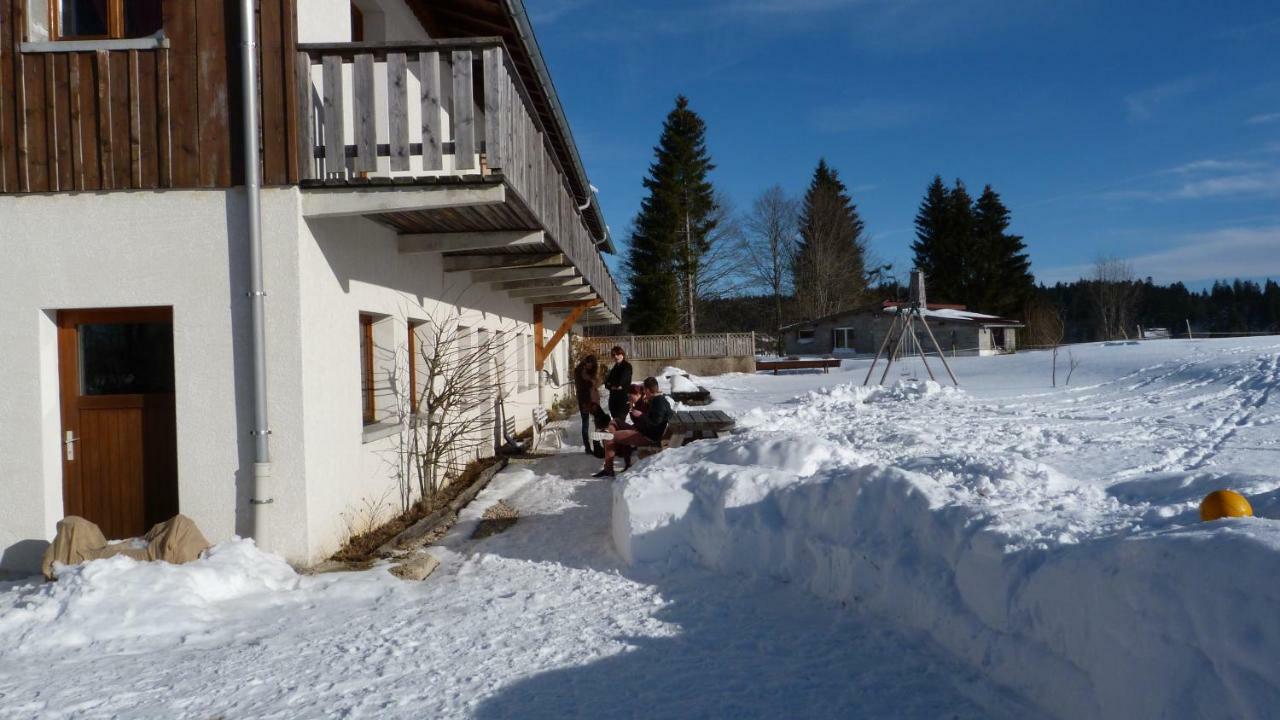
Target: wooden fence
<point>671,347</point>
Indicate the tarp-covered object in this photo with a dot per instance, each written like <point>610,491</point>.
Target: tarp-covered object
<point>176,540</point>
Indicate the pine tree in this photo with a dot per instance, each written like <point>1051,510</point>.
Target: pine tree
<point>942,228</point>
<point>931,223</point>
<point>957,271</point>
<point>672,232</point>
<point>830,265</point>
<point>1000,280</point>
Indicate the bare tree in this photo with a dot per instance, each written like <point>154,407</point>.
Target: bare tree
<point>1046,328</point>
<point>453,414</point>
<point>1115,293</point>
<point>718,272</point>
<point>770,244</point>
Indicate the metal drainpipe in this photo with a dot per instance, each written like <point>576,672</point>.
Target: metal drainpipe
<point>260,498</point>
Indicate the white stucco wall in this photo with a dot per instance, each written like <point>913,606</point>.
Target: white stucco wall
<point>186,250</point>
<point>351,266</point>
<point>183,249</point>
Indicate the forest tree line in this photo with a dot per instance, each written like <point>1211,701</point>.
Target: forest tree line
<point>695,264</point>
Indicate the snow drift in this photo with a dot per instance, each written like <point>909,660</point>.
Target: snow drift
<point>123,599</point>
<point>1090,596</point>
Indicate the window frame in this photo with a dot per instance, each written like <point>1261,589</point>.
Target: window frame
<point>368,403</point>
<point>115,24</point>
<point>801,335</point>
<point>413,366</point>
<point>842,334</point>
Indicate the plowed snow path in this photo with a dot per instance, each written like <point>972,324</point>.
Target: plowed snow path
<point>538,622</point>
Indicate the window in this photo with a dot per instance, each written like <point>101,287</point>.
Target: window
<point>805,335</point>
<point>414,394</point>
<point>105,19</point>
<point>522,362</point>
<point>357,24</point>
<point>366,369</point>
<point>842,338</point>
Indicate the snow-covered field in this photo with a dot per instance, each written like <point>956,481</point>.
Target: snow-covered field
<point>1049,538</point>
<point>1005,550</point>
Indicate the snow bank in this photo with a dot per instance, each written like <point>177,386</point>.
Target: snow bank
<point>1089,600</point>
<point>122,599</point>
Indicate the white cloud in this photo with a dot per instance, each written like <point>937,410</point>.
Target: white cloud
<point>1218,254</point>
<point>1265,183</point>
<point>1144,104</point>
<point>866,114</point>
<point>1264,118</point>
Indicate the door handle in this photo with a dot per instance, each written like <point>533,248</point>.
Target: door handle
<point>69,443</point>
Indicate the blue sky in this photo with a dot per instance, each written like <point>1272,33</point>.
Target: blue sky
<point>1143,130</point>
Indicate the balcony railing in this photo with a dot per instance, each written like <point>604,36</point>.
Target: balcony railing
<point>442,108</point>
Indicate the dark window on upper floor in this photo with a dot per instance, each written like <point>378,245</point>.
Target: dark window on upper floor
<point>357,24</point>
<point>106,19</point>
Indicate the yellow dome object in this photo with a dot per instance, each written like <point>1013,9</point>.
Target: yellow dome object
<point>1224,503</point>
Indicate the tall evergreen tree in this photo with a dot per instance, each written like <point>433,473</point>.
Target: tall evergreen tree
<point>672,232</point>
<point>830,263</point>
<point>957,272</point>
<point>931,228</point>
<point>943,225</point>
<point>1000,280</point>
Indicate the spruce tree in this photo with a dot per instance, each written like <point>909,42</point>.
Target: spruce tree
<point>957,271</point>
<point>1000,272</point>
<point>829,269</point>
<point>672,232</point>
<point>931,235</point>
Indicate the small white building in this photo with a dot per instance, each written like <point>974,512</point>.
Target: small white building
<point>416,170</point>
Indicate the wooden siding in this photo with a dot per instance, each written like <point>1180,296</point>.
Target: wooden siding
<point>144,119</point>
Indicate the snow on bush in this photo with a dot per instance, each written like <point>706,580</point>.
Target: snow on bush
<point>1091,598</point>
<point>123,599</point>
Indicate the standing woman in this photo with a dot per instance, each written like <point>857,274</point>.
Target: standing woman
<point>588,392</point>
<point>618,382</point>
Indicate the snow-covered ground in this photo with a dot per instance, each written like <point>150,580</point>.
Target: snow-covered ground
<point>542,621</point>
<point>915,552</point>
<point>1048,538</point>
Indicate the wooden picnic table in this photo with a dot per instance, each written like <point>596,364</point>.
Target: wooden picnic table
<point>776,365</point>
<point>689,425</point>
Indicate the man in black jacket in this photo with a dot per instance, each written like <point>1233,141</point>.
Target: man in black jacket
<point>617,382</point>
<point>650,426</point>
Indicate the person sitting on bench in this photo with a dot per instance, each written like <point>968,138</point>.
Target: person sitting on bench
<point>650,426</point>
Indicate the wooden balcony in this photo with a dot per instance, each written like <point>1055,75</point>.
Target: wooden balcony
<point>441,139</point>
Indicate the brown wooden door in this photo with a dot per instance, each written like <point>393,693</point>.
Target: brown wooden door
<point>119,435</point>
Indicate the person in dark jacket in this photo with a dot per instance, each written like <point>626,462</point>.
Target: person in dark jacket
<point>650,426</point>
<point>587,388</point>
<point>617,382</point>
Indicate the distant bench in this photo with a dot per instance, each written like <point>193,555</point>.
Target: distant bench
<point>776,365</point>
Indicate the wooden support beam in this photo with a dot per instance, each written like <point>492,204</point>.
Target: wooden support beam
<point>539,283</point>
<point>324,202</point>
<point>523,273</point>
<point>542,350</point>
<point>545,295</point>
<point>445,242</point>
<point>550,293</point>
<point>460,263</point>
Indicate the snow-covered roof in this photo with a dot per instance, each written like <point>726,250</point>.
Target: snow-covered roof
<point>948,313</point>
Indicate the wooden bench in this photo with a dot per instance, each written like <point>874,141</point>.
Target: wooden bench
<point>687,426</point>
<point>540,428</point>
<point>775,365</point>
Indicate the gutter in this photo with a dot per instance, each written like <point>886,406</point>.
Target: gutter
<point>525,28</point>
<point>260,499</point>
